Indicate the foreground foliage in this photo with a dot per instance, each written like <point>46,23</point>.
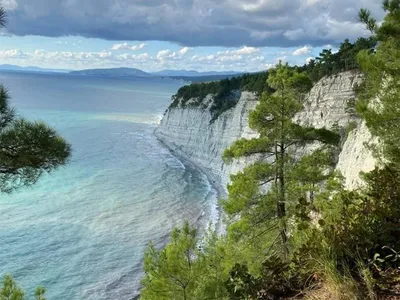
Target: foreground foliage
<point>11,291</point>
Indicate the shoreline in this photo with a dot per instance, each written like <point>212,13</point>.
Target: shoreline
<point>215,186</point>
<point>214,183</point>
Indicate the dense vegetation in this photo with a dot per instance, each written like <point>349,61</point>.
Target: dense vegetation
<point>293,230</point>
<point>222,90</point>
<point>28,149</point>
<point>204,78</point>
<point>345,59</point>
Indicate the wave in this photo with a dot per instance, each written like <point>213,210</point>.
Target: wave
<point>212,213</point>
<point>141,118</point>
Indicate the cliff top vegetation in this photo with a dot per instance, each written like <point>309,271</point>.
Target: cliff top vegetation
<point>327,63</point>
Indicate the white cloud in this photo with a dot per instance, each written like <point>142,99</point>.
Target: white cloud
<point>302,51</point>
<point>163,54</point>
<point>9,4</point>
<point>259,58</point>
<point>246,50</point>
<point>126,46</point>
<point>143,56</point>
<point>104,54</point>
<point>246,59</point>
<point>242,51</point>
<point>184,50</point>
<point>12,54</point>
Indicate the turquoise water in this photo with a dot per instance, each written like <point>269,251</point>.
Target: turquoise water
<point>81,231</point>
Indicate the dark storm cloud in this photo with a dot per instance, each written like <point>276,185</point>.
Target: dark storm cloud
<point>194,22</point>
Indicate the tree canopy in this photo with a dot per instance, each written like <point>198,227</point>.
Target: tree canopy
<point>28,149</point>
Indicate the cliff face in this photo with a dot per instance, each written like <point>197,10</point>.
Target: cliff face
<point>190,135</point>
<point>331,103</point>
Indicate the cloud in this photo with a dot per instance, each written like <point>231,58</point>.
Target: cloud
<point>244,53</point>
<point>12,54</point>
<point>191,23</point>
<point>9,4</point>
<point>244,59</point>
<point>126,46</point>
<point>282,59</point>
<point>164,55</point>
<point>246,50</point>
<point>104,54</point>
<point>247,59</point>
<point>302,51</point>
<point>184,50</point>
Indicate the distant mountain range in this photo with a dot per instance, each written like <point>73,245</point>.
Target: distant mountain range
<point>191,75</point>
<point>7,67</point>
<point>185,73</point>
<point>114,72</point>
<point>121,72</point>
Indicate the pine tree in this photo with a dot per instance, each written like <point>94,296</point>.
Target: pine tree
<point>251,210</point>
<point>28,149</point>
<point>11,291</point>
<point>172,272</point>
<point>311,170</point>
<point>380,95</point>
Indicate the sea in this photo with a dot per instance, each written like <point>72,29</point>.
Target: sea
<point>81,231</point>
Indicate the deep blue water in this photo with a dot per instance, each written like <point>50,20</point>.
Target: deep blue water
<point>81,231</point>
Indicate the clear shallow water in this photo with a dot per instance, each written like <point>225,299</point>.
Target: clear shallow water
<point>81,231</point>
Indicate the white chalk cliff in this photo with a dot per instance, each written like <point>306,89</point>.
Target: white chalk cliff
<point>190,135</point>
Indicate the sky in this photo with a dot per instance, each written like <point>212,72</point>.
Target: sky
<point>153,35</point>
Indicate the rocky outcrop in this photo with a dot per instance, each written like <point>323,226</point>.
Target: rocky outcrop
<point>190,134</point>
<point>355,156</point>
<point>331,103</point>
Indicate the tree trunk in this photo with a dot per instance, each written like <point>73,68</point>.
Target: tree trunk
<point>282,188</point>
<point>281,209</point>
<point>184,294</point>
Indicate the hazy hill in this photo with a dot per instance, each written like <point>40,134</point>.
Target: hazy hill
<point>192,73</point>
<point>7,67</point>
<point>114,72</point>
